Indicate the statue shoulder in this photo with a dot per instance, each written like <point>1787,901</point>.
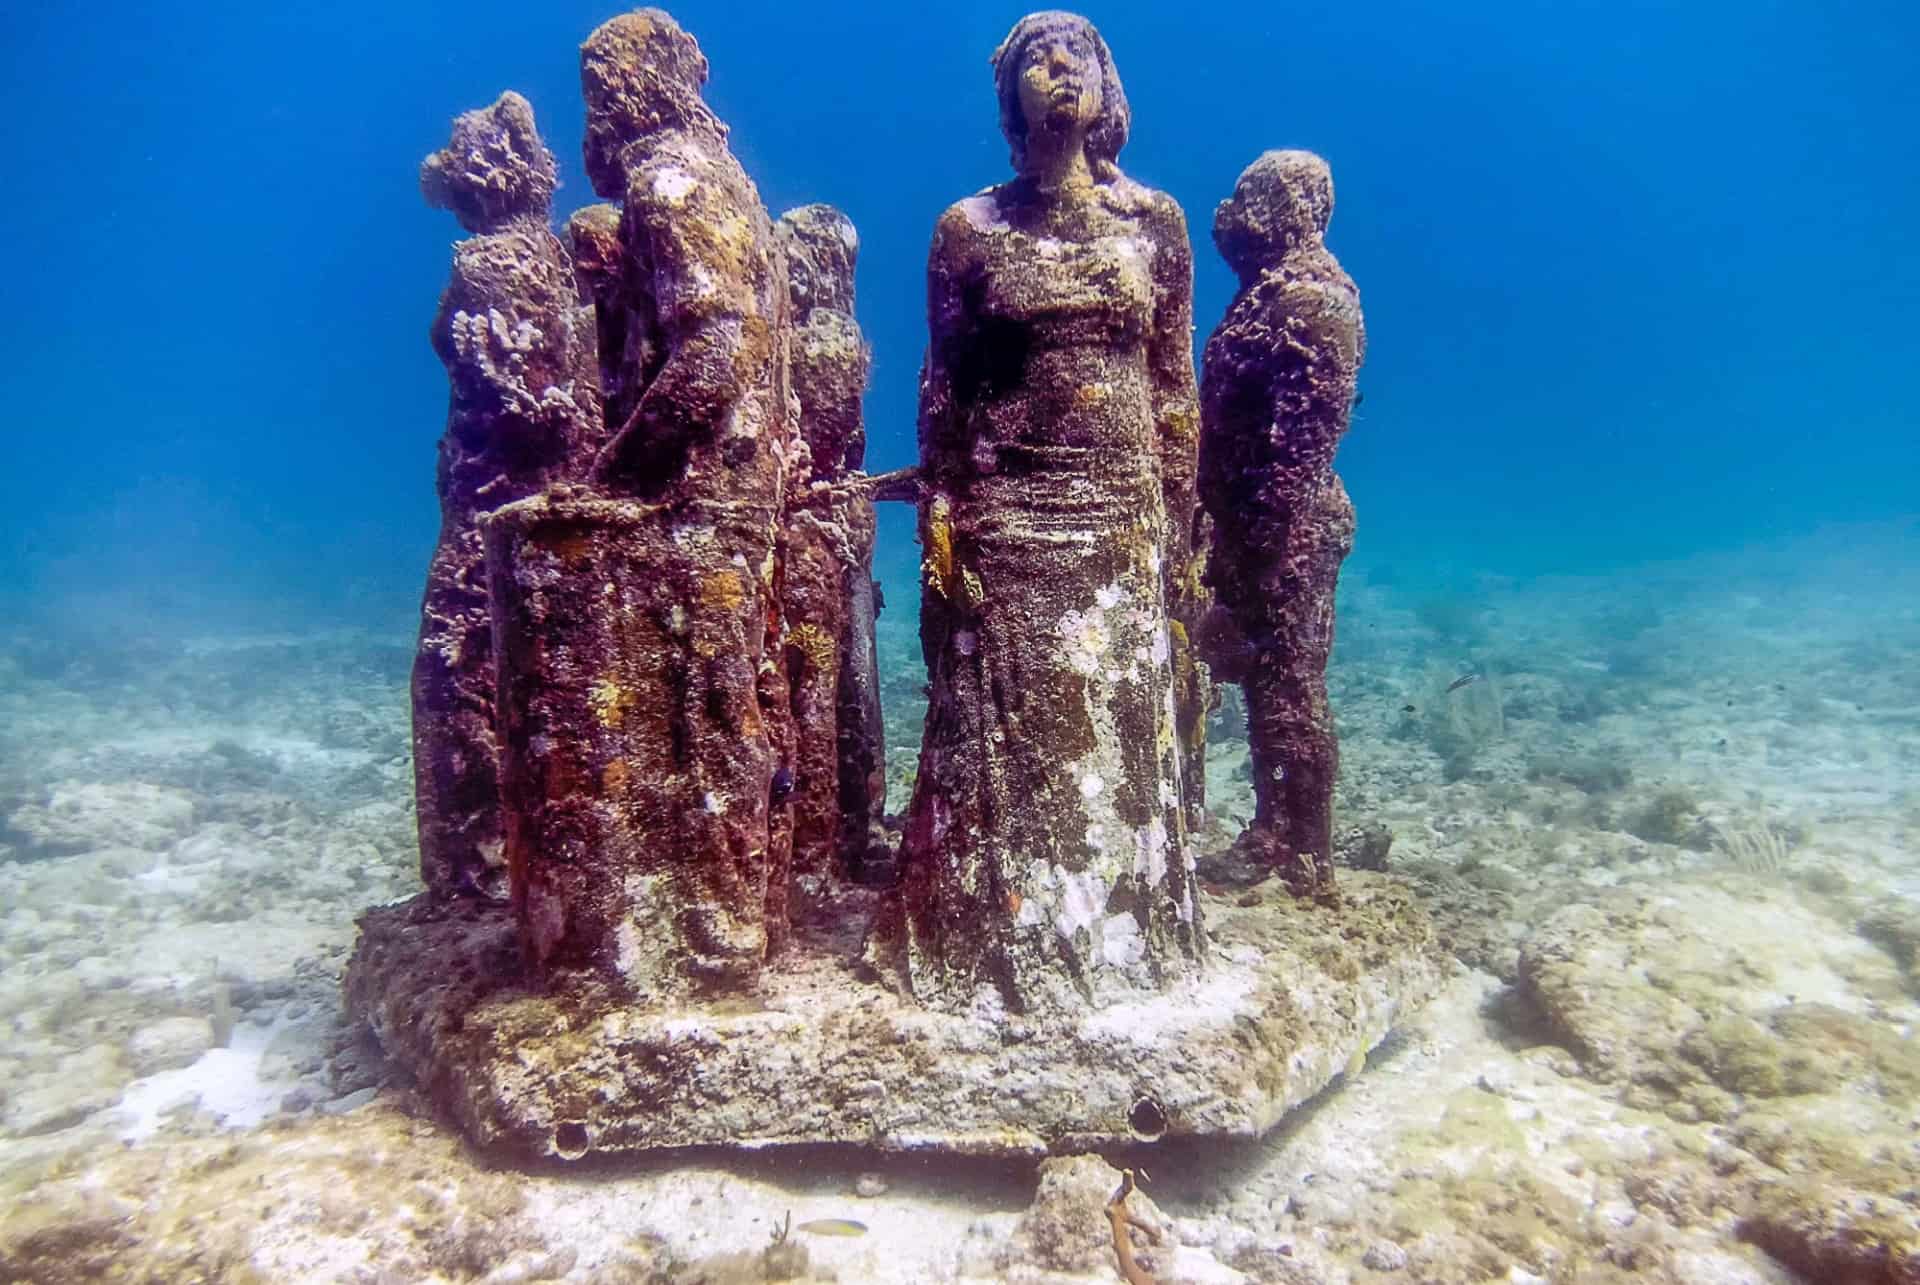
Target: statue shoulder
<point>961,231</point>
<point>1152,207</point>
<point>672,180</point>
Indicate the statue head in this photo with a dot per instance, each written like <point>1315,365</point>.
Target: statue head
<point>640,73</point>
<point>593,235</point>
<point>494,170</point>
<point>822,248</point>
<point>1053,71</point>
<point>1281,202</point>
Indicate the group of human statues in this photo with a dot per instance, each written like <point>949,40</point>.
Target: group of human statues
<point>646,699</point>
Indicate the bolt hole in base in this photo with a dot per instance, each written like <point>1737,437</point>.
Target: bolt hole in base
<point>571,1140</point>
<point>1147,1120</point>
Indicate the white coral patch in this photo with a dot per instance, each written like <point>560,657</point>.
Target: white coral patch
<point>1086,639</point>
<point>1150,851</point>
<point>1108,596</point>
<point>982,213</point>
<point>672,184</point>
<point>1090,786</point>
<point>1121,944</point>
<point>1082,900</point>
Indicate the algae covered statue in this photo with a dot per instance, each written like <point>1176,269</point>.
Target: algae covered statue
<point>1279,385</point>
<point>827,590</point>
<point>642,705</point>
<point>518,345</point>
<point>1045,856</point>
<point>657,440</point>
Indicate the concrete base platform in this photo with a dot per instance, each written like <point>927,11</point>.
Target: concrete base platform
<point>1292,995</point>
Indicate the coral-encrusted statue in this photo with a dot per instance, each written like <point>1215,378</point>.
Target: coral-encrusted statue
<point>525,410</point>
<point>1045,855</point>
<point>643,708</point>
<point>826,560</point>
<point>1278,388</point>
<point>682,620</point>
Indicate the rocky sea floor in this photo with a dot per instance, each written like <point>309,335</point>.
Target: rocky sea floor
<point>1671,834</point>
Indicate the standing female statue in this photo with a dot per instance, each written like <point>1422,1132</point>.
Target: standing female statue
<point>1045,857</point>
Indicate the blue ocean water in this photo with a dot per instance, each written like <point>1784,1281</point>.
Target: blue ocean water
<point>1625,676</point>
<point>1640,278</point>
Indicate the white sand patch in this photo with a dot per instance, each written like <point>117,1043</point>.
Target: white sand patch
<point>226,1083</point>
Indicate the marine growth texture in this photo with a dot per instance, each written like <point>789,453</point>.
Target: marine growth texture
<point>643,701</point>
<point>1045,856</point>
<point>838,781</point>
<point>524,410</point>
<point>1280,375</point>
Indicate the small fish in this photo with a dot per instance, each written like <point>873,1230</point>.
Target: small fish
<point>833,1227</point>
<point>782,784</point>
<point>1407,709</point>
<point>1465,680</point>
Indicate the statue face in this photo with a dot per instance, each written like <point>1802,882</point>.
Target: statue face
<point>1060,82</point>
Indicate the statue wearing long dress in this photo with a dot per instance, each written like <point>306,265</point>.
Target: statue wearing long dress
<point>1045,858</point>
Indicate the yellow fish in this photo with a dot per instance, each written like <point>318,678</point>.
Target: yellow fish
<point>834,1227</point>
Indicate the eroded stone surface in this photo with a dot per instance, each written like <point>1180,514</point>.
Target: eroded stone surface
<point>822,1053</point>
<point>1045,858</point>
<point>1279,383</point>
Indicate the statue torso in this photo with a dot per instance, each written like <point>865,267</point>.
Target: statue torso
<point>1062,305</point>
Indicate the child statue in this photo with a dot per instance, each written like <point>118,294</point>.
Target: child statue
<point>1278,389</point>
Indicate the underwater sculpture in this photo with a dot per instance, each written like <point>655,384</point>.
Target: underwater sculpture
<point>1046,844</point>
<point>525,410</point>
<point>838,767</point>
<point>703,944</point>
<point>1280,375</point>
<point>643,707</point>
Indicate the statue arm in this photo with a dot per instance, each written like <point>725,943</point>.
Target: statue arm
<point>1176,401</point>
<point>950,335</point>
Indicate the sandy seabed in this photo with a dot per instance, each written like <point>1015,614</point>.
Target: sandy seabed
<point>1671,835</point>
